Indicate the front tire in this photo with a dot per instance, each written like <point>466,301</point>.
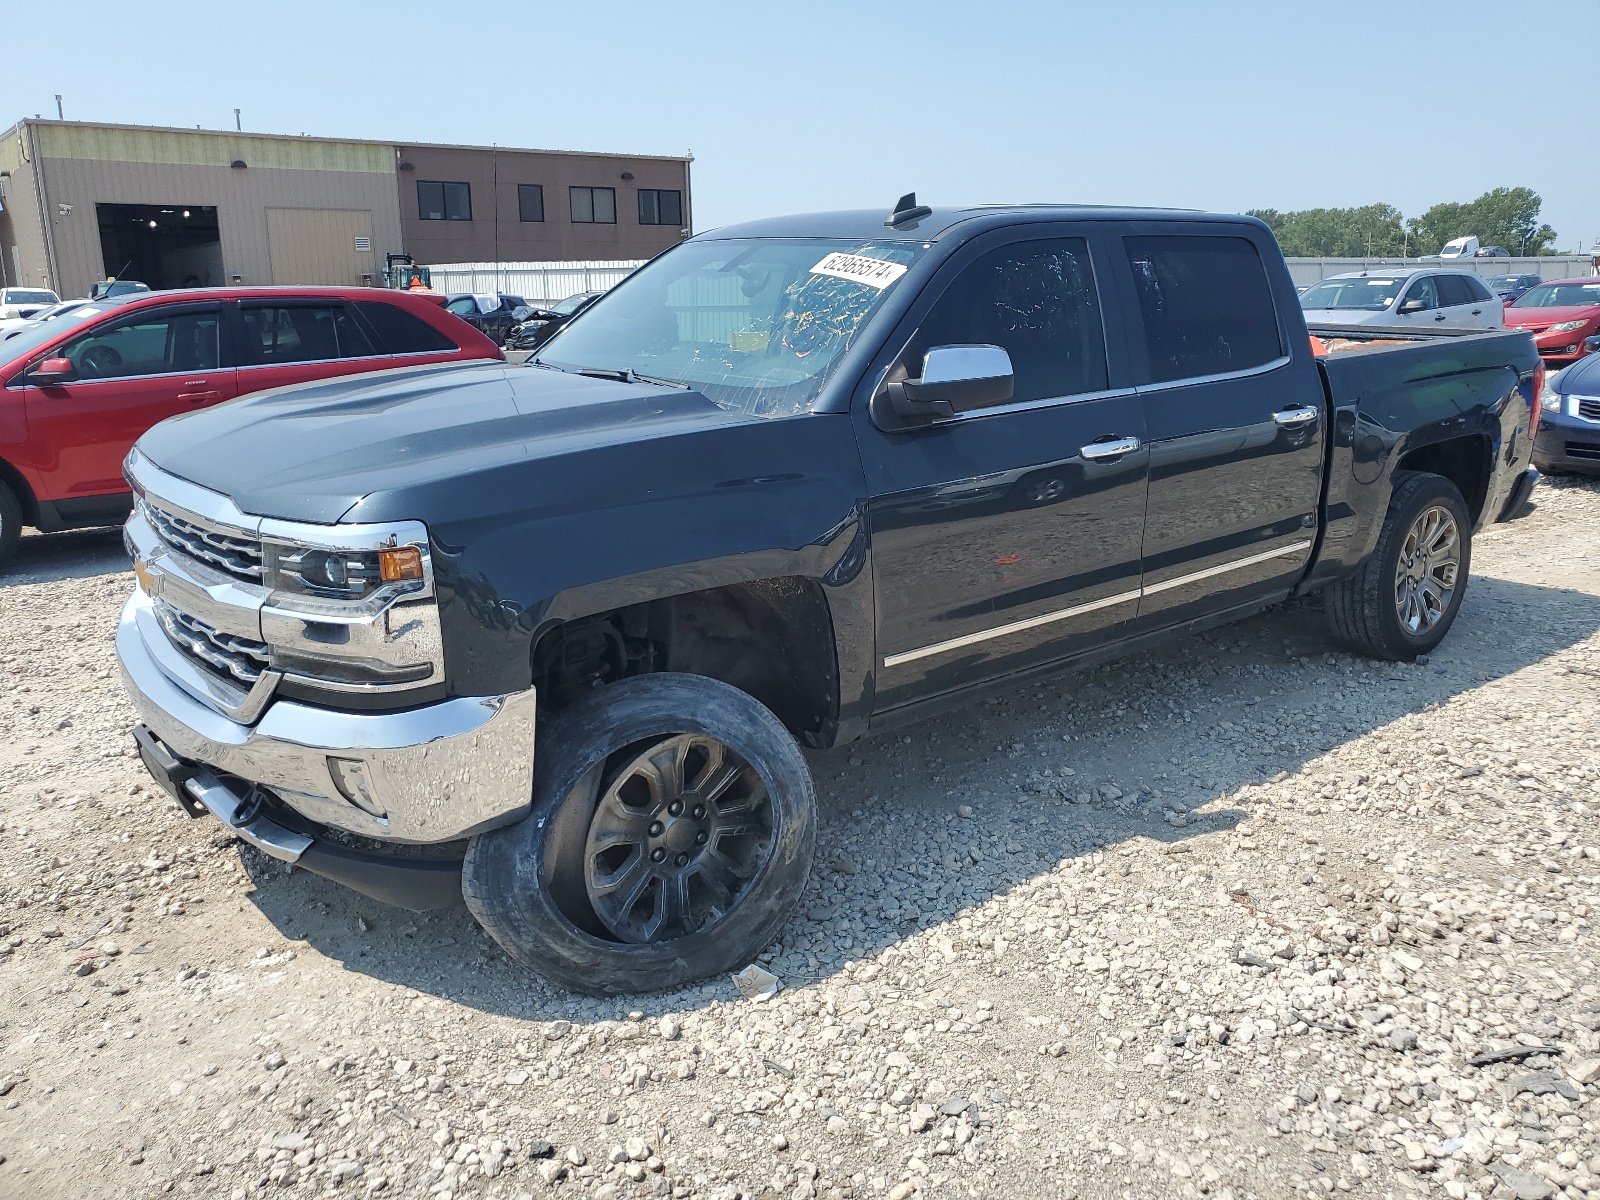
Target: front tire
<point>10,524</point>
<point>1403,599</point>
<point>671,836</point>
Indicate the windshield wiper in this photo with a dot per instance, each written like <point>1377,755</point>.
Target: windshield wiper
<point>629,375</point>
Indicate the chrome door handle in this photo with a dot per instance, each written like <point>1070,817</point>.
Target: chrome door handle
<point>1296,416</point>
<point>1111,449</point>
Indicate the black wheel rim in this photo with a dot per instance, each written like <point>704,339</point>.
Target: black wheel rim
<point>679,832</point>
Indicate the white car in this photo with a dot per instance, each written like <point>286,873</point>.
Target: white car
<point>1425,298</point>
<point>20,304</point>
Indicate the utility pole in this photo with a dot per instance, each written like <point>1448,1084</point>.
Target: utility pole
<point>60,115</point>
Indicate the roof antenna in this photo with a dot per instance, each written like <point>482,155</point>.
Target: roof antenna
<point>906,209</point>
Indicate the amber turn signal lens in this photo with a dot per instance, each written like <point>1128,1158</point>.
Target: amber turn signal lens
<point>396,565</point>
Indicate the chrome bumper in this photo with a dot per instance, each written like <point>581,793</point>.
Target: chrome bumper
<point>431,774</point>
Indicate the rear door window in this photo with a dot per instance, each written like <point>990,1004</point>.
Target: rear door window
<point>1035,300</point>
<point>301,333</point>
<point>1455,290</point>
<point>1205,303</point>
<point>153,342</point>
<point>401,332</point>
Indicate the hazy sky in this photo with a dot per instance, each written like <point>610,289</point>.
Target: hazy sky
<point>794,107</point>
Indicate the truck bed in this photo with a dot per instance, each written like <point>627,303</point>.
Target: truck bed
<point>1394,398</point>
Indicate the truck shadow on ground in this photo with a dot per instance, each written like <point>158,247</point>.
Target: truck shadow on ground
<point>79,554</point>
<point>896,857</point>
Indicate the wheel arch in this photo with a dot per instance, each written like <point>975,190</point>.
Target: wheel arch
<point>772,638</point>
<point>18,483</point>
<point>1466,461</point>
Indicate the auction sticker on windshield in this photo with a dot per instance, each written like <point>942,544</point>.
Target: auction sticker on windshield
<point>874,272</point>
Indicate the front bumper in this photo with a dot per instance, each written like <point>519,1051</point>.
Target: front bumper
<point>426,775</point>
<point>1567,443</point>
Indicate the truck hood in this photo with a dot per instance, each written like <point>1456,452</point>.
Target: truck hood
<point>313,451</point>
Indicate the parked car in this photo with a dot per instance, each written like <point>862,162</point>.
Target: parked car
<point>1509,287</point>
<point>110,289</point>
<point>1560,314</point>
<point>1403,299</point>
<point>493,315</point>
<point>702,525</point>
<point>18,305</point>
<point>9,329</point>
<point>1569,431</point>
<point>76,392</point>
<point>540,325</point>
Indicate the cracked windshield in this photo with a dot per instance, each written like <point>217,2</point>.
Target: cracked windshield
<point>756,325</point>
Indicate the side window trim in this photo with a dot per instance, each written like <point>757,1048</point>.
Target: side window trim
<point>143,315</point>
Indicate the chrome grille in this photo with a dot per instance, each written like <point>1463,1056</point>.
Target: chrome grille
<point>238,555</point>
<point>1589,409</point>
<point>240,659</point>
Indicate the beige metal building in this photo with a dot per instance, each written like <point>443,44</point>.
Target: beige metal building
<point>183,207</point>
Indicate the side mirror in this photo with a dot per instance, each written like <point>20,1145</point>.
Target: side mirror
<point>1411,306</point>
<point>53,370</point>
<point>955,379</point>
<point>521,313</point>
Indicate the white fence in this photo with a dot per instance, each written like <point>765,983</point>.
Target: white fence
<point>539,283</point>
<point>1306,271</point>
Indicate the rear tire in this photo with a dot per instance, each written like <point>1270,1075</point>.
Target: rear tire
<point>1403,599</point>
<point>10,524</point>
<point>606,887</point>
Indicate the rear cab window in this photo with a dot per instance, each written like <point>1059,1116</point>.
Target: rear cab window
<point>1205,303</point>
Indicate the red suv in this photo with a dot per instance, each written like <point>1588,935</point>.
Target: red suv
<point>77,392</point>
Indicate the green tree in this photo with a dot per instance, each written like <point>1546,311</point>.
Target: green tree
<point>1373,230</point>
<point>1506,217</point>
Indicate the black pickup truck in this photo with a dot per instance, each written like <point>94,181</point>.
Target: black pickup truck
<point>550,635</point>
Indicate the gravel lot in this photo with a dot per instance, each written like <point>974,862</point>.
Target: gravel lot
<point>1232,920</point>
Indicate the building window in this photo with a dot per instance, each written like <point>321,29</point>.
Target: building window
<point>530,202</point>
<point>594,206</point>
<point>439,201</point>
<point>660,207</point>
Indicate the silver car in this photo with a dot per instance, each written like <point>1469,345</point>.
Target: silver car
<point>1424,298</point>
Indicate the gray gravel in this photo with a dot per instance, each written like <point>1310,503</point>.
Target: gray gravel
<point>1248,918</point>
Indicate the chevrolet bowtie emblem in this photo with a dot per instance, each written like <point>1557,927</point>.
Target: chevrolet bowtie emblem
<point>147,579</point>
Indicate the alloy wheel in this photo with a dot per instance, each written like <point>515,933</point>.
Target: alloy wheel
<point>677,836</point>
<point>1428,570</point>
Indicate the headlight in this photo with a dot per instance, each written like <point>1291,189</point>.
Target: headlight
<point>343,574</point>
<point>352,608</point>
<point>1550,400</point>
<point>1566,326</point>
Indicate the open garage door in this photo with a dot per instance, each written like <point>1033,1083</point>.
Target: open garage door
<point>163,245</point>
<point>320,245</point>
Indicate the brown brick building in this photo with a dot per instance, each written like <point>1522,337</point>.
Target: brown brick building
<point>176,207</point>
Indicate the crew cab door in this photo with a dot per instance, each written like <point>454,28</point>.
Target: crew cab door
<point>132,371</point>
<point>1234,415</point>
<point>1007,536</point>
<point>295,341</point>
